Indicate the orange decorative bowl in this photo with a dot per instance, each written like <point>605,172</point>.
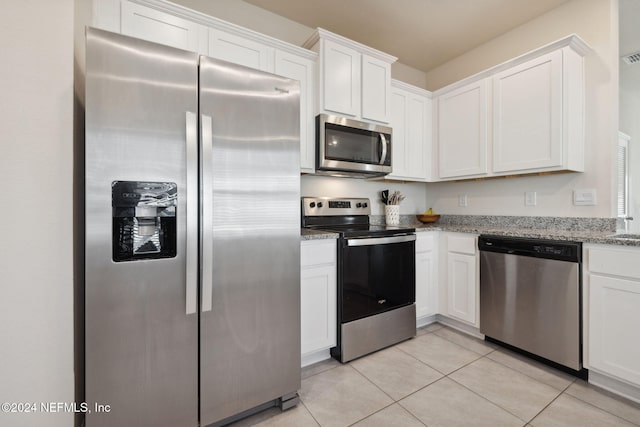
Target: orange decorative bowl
<point>427,218</point>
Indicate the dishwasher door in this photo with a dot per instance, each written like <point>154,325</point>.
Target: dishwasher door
<point>532,304</point>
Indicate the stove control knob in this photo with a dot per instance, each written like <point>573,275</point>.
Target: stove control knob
<point>364,205</point>
<point>319,204</point>
<point>358,205</point>
<point>312,204</point>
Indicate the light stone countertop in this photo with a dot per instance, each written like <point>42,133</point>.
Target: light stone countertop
<point>307,234</point>
<point>585,230</point>
<point>597,236</point>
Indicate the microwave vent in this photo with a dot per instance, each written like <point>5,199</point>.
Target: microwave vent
<point>632,58</point>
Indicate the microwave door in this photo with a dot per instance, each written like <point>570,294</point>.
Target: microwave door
<point>359,147</point>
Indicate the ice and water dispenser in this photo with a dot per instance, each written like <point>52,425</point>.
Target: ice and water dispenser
<point>144,220</point>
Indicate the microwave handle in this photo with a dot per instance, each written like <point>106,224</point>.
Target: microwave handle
<point>385,144</point>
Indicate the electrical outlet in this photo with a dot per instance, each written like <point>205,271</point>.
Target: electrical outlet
<point>530,198</point>
<point>462,200</point>
<point>585,197</point>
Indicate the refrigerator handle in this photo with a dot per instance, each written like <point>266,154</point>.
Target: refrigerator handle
<point>206,155</point>
<point>192,214</point>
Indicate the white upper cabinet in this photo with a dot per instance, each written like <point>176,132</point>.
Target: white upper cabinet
<point>410,119</point>
<point>241,51</point>
<point>301,69</point>
<point>340,76</point>
<point>160,27</point>
<point>376,89</point>
<point>462,131</point>
<point>527,115</point>
<point>354,80</point>
<point>523,116</point>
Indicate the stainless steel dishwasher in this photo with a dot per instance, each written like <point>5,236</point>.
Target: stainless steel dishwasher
<point>530,294</point>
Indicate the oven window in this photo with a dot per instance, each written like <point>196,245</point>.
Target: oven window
<point>376,279</point>
<point>353,145</point>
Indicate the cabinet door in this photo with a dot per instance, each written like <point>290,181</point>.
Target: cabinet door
<point>527,115</point>
<point>159,27</point>
<point>614,316</point>
<point>376,86</point>
<point>417,134</point>
<point>399,101</point>
<point>426,277</point>
<point>340,79</point>
<point>410,119</point>
<point>318,305</point>
<point>239,50</point>
<point>462,131</point>
<point>301,69</point>
<point>461,287</point>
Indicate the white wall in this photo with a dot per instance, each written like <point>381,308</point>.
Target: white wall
<point>36,165</point>
<point>320,186</point>
<point>596,22</point>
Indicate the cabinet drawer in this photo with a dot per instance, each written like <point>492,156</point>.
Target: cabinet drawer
<point>617,262</point>
<point>317,252</point>
<point>425,242</point>
<point>462,244</point>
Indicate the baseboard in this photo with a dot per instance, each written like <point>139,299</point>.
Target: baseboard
<point>315,357</point>
<point>461,326</point>
<point>614,385</point>
<point>426,320</point>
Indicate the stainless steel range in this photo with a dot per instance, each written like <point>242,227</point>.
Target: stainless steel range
<point>376,275</point>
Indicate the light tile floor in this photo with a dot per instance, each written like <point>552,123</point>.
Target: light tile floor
<point>446,378</point>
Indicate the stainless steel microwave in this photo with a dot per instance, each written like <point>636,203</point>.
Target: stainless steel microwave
<point>346,147</point>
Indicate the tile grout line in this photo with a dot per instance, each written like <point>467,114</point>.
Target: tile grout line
<point>481,396</point>
<point>549,404</point>
<point>597,407</point>
<point>310,413</point>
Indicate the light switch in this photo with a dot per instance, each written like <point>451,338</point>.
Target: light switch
<point>462,200</point>
<point>530,198</point>
<point>585,197</point>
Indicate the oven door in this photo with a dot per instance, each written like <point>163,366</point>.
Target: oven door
<point>376,275</point>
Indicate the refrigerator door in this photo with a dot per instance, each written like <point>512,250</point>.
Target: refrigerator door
<point>250,319</point>
<point>141,343</point>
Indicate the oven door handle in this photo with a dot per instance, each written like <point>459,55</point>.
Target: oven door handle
<point>381,240</point>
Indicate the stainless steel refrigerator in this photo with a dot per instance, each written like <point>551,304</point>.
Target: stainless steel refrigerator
<point>192,247</point>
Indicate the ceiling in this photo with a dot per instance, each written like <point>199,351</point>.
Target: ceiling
<point>421,33</point>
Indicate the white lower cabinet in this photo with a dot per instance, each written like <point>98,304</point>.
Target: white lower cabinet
<point>426,277</point>
<point>612,312</point>
<point>460,278</point>
<point>318,299</point>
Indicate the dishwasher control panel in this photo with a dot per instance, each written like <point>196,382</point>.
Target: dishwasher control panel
<point>538,248</point>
